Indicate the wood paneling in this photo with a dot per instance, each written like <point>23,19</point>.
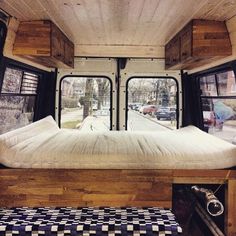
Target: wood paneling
<point>43,42</point>
<point>85,187</point>
<point>119,51</point>
<point>198,42</point>
<point>78,188</point>
<point>8,48</point>
<point>231,208</point>
<point>33,38</point>
<point>39,187</point>
<point>120,23</point>
<point>231,26</point>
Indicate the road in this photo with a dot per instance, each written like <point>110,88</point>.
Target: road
<point>139,122</point>
<point>136,121</point>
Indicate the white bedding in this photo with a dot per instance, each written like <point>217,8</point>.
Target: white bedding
<point>43,145</point>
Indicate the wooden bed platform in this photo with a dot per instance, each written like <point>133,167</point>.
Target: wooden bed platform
<point>57,187</point>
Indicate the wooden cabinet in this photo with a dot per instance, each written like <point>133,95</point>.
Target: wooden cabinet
<point>44,43</point>
<point>69,53</point>
<point>172,52</point>
<point>199,42</point>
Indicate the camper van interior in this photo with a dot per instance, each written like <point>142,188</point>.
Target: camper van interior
<point>118,117</point>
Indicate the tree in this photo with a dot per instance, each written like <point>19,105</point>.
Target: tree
<point>88,98</point>
<point>103,90</point>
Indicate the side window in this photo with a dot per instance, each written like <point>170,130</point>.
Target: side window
<point>152,104</point>
<point>86,103</point>
<point>218,100</point>
<point>17,99</point>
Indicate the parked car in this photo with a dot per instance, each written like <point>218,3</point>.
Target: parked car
<point>141,109</point>
<point>150,109</point>
<point>137,106</point>
<point>168,113</point>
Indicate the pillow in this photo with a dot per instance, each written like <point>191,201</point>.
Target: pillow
<point>14,137</point>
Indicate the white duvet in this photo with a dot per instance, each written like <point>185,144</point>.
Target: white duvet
<point>43,145</point>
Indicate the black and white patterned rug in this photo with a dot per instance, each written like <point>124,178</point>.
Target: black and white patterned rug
<point>88,221</point>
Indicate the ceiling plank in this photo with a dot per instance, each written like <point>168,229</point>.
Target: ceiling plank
<point>119,51</point>
<point>121,23</point>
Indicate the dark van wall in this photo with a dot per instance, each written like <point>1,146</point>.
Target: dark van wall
<point>191,102</point>
<point>3,33</point>
<point>46,95</point>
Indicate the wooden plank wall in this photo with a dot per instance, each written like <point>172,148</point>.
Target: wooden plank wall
<point>10,39</point>
<point>231,26</point>
<point>231,208</point>
<point>85,188</point>
<point>78,188</point>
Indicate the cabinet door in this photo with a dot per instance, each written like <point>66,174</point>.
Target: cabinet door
<point>172,52</point>
<point>168,59</point>
<point>175,50</point>
<point>57,44</point>
<point>69,53</point>
<point>186,43</point>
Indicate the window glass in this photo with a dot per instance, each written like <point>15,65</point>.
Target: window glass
<point>12,81</point>
<point>208,85</point>
<point>227,83</point>
<point>15,112</point>
<point>151,104</point>
<point>17,99</point>
<point>85,103</point>
<point>29,84</point>
<point>219,111</point>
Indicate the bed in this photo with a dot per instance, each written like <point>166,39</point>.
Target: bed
<point>43,145</point>
<point>52,167</point>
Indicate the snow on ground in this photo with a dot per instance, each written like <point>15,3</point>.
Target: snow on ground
<point>92,123</point>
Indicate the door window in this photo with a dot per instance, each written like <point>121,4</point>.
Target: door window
<point>152,104</point>
<point>86,103</point>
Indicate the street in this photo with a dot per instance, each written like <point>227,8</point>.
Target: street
<point>136,122</point>
<point>139,122</point>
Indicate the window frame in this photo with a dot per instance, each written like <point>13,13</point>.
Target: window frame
<point>82,76</point>
<point>218,70</point>
<point>24,68</point>
<point>152,77</point>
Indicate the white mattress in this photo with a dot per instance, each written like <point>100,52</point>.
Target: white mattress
<point>43,145</point>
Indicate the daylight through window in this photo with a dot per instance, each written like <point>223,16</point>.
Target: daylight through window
<point>218,101</point>
<point>86,103</point>
<point>17,99</point>
<point>152,104</point>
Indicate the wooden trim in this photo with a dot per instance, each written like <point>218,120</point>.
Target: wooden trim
<point>230,218</point>
<point>119,51</point>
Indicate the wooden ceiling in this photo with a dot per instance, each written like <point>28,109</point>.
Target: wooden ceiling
<point>120,27</point>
